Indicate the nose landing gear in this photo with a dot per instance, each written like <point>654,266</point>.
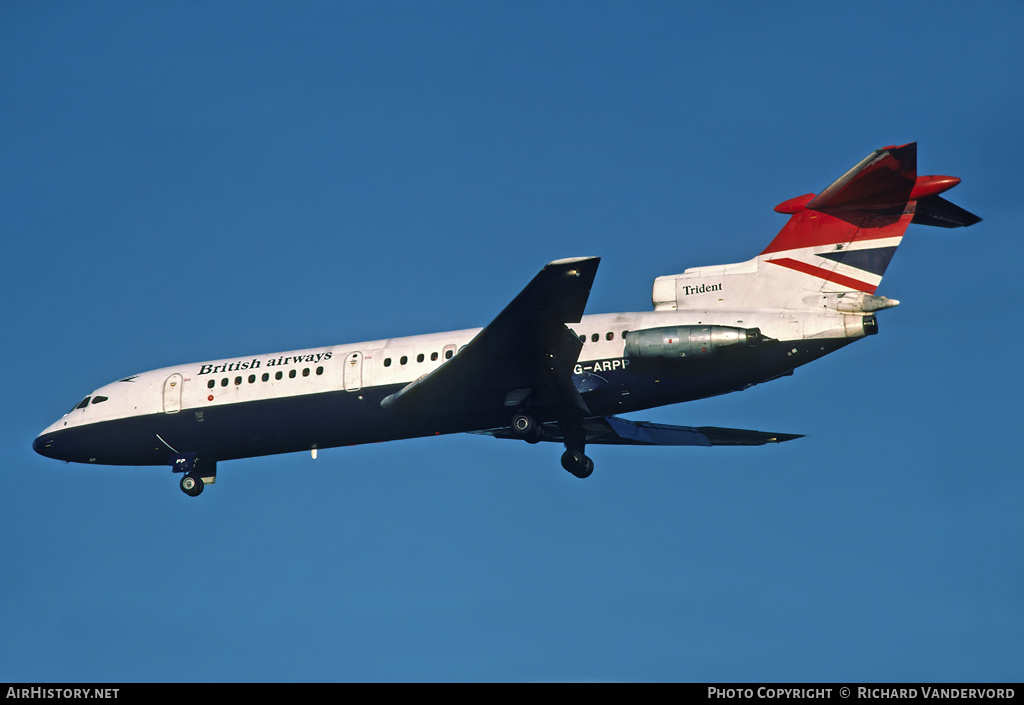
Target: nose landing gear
<point>192,485</point>
<point>197,475</point>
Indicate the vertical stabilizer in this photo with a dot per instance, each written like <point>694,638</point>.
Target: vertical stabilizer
<point>836,245</point>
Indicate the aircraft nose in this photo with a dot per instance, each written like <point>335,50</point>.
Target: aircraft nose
<point>48,442</point>
<point>44,444</point>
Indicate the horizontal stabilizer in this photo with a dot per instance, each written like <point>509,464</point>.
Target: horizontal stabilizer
<point>611,430</point>
<point>886,176</point>
<point>937,211</point>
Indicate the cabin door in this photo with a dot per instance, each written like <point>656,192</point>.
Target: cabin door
<point>353,372</point>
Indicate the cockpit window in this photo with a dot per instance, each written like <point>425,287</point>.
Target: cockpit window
<point>98,400</point>
<point>82,404</point>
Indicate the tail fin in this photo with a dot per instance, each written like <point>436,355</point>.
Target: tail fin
<point>839,241</point>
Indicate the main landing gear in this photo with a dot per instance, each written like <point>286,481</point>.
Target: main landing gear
<point>197,474</point>
<point>577,463</point>
<point>573,459</point>
<point>527,428</point>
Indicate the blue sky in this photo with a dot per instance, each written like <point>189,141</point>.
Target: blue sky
<point>194,181</point>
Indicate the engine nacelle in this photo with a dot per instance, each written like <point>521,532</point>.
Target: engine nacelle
<point>676,342</point>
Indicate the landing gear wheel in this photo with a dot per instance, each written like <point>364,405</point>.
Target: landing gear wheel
<point>577,463</point>
<point>192,486</point>
<point>527,428</point>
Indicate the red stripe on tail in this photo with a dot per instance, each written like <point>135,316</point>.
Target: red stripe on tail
<point>822,273</point>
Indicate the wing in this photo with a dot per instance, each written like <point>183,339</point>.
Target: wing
<point>527,351</point>
<point>611,430</point>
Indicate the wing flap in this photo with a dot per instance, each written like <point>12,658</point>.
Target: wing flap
<point>612,430</point>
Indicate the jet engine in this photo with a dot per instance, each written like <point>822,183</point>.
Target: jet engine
<point>675,342</point>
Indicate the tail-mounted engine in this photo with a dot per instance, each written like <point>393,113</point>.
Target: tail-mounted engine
<point>689,342</point>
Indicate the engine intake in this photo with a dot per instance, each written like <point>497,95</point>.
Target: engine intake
<point>675,342</point>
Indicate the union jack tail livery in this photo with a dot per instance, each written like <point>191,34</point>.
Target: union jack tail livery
<point>835,248</point>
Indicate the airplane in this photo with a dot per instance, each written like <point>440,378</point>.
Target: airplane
<point>541,370</point>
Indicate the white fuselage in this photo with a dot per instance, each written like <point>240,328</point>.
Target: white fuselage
<point>395,362</point>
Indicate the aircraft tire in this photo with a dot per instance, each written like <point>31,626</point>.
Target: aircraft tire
<point>527,428</point>
<point>522,424</point>
<point>191,485</point>
<point>577,464</point>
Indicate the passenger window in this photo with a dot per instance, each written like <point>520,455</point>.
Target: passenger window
<point>224,382</point>
<point>419,358</point>
<point>266,376</point>
<point>594,338</point>
<point>252,378</point>
<point>583,338</point>
<point>387,362</point>
<point>433,357</point>
<point>238,380</point>
<point>319,370</point>
<point>404,360</point>
<point>291,374</point>
<point>305,372</point>
<point>211,384</point>
<point>279,375</point>
<point>609,336</point>
<point>448,354</point>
